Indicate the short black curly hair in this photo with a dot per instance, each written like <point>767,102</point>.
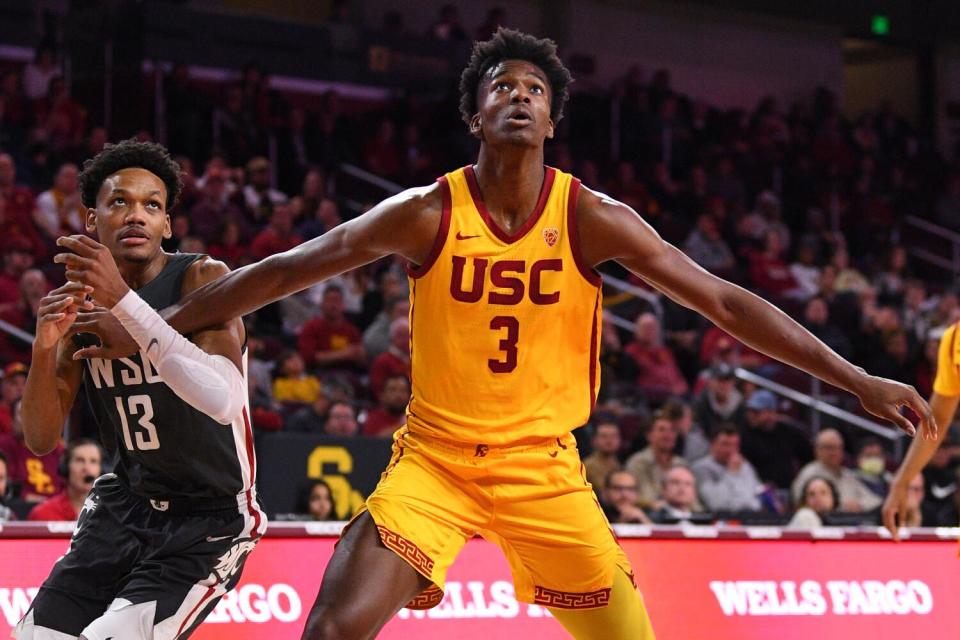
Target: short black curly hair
<point>509,44</point>
<point>124,155</point>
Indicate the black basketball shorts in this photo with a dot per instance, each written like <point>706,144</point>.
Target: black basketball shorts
<point>137,572</point>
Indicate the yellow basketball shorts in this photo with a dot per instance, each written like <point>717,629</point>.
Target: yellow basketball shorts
<point>531,500</point>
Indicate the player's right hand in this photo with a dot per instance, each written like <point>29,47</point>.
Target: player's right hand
<point>115,341</point>
<point>58,311</point>
<point>895,508</point>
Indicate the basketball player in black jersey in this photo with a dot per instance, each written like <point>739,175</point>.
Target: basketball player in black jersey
<point>159,541</point>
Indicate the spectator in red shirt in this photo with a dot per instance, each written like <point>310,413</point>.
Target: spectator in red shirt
<point>768,271</point>
<point>386,418</point>
<point>16,208</point>
<point>35,475</point>
<point>395,360</point>
<point>331,341</point>
<point>81,465</point>
<point>718,346</point>
<point>659,375</point>
<point>278,236</point>
<point>11,390</point>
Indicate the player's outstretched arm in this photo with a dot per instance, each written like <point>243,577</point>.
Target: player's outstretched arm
<point>610,230</point>
<point>405,224</point>
<point>54,377</point>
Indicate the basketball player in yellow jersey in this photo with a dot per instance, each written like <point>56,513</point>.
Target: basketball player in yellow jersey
<point>943,403</point>
<point>505,329</point>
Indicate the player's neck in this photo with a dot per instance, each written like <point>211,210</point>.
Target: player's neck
<point>510,180</point>
<point>137,274</point>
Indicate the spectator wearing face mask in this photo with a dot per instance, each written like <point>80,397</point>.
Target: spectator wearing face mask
<point>872,466</point>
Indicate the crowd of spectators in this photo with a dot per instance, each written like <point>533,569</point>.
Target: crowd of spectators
<point>798,203</point>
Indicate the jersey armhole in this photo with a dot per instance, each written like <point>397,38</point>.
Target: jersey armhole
<point>589,274</point>
<point>419,271</point>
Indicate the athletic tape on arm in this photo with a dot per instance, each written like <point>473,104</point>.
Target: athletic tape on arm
<point>210,383</point>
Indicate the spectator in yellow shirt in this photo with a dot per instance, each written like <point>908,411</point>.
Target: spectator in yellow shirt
<point>293,384</point>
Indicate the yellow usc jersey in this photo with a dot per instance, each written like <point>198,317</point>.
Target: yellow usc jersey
<point>947,380</point>
<point>504,328</point>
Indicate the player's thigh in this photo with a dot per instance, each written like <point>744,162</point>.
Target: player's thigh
<point>364,585</point>
<point>559,544</point>
<point>190,564</point>
<point>84,581</point>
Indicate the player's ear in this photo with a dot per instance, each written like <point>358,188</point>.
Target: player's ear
<point>167,229</point>
<point>91,222</point>
<point>476,130</point>
<point>550,128</point>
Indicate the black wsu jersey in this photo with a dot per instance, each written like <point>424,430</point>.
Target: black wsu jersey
<point>167,449</point>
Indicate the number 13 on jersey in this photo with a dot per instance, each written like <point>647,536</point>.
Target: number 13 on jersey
<point>145,438</point>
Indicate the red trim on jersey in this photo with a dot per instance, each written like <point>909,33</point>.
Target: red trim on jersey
<point>438,242</point>
<point>593,356</point>
<point>589,274</point>
<point>248,442</point>
<point>206,596</point>
<point>413,303</point>
<point>548,177</point>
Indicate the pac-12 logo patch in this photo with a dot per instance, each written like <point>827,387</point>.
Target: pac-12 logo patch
<point>551,235</point>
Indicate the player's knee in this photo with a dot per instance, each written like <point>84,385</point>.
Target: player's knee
<point>326,624</point>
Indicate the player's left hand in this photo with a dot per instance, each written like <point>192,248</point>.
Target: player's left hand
<point>90,263</point>
<point>884,398</point>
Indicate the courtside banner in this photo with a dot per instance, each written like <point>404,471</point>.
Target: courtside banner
<point>694,587</point>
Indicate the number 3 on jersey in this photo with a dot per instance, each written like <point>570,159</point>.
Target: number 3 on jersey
<point>508,345</point>
<point>142,405</point>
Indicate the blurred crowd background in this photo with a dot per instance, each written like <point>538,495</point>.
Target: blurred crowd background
<point>801,202</point>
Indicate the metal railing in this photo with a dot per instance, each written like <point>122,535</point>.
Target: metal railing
<point>816,404</point>
<point>953,262</point>
<point>16,332</point>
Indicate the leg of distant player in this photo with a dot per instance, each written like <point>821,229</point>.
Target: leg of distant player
<point>623,618</point>
<point>364,585</point>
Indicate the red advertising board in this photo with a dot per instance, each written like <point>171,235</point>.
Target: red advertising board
<point>694,588</point>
